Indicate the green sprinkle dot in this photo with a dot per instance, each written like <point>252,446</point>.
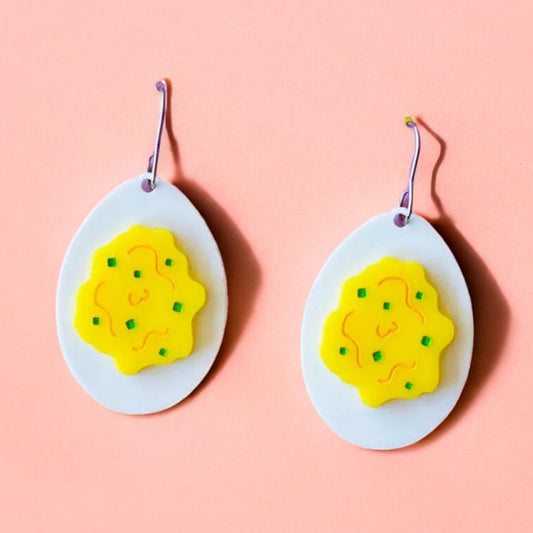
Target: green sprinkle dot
<point>409,385</point>
<point>111,261</point>
<point>377,356</point>
<point>177,307</point>
<point>130,324</point>
<point>136,273</point>
<point>163,352</point>
<point>386,306</point>
<point>169,262</point>
<point>342,350</point>
<point>361,293</point>
<point>426,341</point>
<point>96,320</point>
<point>419,295</point>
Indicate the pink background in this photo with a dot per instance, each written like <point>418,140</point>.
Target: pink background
<point>289,120</point>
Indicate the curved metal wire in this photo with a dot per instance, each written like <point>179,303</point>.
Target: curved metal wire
<point>161,86</point>
<point>406,199</point>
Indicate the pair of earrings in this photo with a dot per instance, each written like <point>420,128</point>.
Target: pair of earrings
<point>387,330</point>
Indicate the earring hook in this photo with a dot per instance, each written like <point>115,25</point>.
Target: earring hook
<point>161,86</point>
<point>406,199</point>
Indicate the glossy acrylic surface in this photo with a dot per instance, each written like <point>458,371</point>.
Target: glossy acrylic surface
<point>155,388</point>
<point>397,423</point>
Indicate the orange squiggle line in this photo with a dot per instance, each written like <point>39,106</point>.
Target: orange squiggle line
<point>389,331</point>
<point>95,299</point>
<point>422,317</point>
<point>145,340</point>
<point>145,296</point>
<point>412,366</point>
<point>350,339</point>
<point>156,261</point>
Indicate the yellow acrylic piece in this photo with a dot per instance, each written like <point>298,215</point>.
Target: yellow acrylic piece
<point>139,302</point>
<point>388,333</point>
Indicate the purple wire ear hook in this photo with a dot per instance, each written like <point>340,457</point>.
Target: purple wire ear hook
<point>406,200</point>
<point>148,184</point>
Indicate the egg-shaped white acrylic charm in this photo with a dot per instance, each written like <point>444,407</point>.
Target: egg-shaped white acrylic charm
<point>141,299</point>
<point>387,334</point>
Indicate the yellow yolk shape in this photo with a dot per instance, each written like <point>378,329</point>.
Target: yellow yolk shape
<point>387,335</point>
<point>139,302</point>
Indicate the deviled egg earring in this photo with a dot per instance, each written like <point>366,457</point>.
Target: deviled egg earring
<point>387,331</point>
<point>142,296</point>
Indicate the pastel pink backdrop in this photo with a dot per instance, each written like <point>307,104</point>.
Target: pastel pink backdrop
<point>288,116</point>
